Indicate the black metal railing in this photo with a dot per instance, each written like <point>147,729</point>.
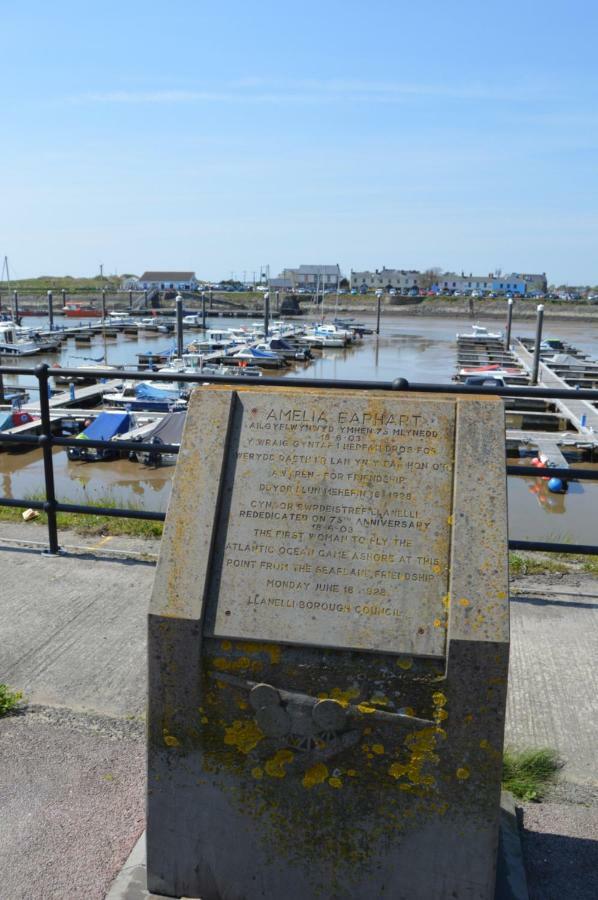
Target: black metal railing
<point>46,440</point>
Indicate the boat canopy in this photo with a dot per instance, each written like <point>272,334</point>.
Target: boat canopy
<point>106,426</point>
<point>147,391</point>
<point>170,429</point>
<point>15,418</point>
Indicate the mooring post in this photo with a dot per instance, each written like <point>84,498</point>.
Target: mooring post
<point>130,300</point>
<point>378,306</point>
<point>210,296</point>
<point>145,299</point>
<point>277,301</point>
<point>536,365</point>
<point>16,302</point>
<point>45,442</point>
<point>509,323</point>
<point>203,310</point>
<point>50,311</point>
<point>63,292</point>
<point>179,326</point>
<point>266,314</point>
<point>103,306</point>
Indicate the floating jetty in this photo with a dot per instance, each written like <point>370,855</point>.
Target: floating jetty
<point>554,430</point>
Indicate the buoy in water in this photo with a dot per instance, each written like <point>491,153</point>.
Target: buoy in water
<point>556,486</point>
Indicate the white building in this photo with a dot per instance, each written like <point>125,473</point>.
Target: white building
<point>312,277</point>
<point>385,279</point>
<point>168,281</point>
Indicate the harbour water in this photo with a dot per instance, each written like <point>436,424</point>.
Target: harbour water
<point>419,349</point>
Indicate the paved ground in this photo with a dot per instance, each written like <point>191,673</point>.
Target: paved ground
<point>553,678</point>
<point>71,778</point>
<point>72,800</point>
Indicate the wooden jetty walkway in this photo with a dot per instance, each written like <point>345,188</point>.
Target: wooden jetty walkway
<point>575,410</point>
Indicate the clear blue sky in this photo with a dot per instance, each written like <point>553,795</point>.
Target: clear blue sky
<point>222,136</point>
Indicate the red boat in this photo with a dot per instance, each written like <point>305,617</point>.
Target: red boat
<point>78,311</point>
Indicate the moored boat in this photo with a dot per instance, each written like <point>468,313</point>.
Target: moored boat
<point>103,428</point>
<point>81,311</point>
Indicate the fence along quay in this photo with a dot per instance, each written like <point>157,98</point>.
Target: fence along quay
<point>46,439</point>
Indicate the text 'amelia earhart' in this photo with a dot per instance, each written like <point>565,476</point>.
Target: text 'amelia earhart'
<point>343,417</point>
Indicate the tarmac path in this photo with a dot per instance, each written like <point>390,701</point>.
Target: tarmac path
<point>72,764</point>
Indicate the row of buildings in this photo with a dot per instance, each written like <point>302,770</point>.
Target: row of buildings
<point>316,277</point>
<point>403,280</point>
<point>329,277</point>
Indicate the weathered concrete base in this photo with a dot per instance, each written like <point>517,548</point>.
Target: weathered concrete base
<point>511,882</point>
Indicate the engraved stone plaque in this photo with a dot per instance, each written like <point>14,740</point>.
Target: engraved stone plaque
<point>335,521</point>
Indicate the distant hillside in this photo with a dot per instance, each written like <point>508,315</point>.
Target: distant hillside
<point>66,282</point>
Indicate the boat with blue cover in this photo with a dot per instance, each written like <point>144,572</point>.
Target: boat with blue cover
<point>103,428</point>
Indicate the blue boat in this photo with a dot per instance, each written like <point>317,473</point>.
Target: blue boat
<point>150,396</point>
<point>103,428</point>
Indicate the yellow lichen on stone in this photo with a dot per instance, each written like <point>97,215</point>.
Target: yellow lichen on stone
<point>204,720</point>
<point>404,663</point>
<point>379,700</point>
<point>364,708</point>
<point>226,645</point>
<point>242,663</point>
<point>378,749</point>
<point>169,739</point>
<point>221,663</point>
<point>397,770</point>
<point>253,647</point>
<point>317,774</point>
<point>439,699</point>
<point>344,696</point>
<point>464,602</point>
<point>257,772</point>
<point>243,735</point>
<point>275,767</point>
<point>485,745</point>
<point>335,782</point>
<point>462,773</point>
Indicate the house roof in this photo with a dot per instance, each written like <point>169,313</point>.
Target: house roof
<point>318,270</point>
<point>167,276</point>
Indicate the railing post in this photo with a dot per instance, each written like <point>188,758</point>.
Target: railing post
<point>50,311</point>
<point>179,326</point>
<point>536,365</point>
<point>266,314</point>
<point>45,442</point>
<point>509,324</point>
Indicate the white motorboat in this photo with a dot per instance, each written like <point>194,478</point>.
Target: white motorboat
<point>481,333</point>
<point>13,345</point>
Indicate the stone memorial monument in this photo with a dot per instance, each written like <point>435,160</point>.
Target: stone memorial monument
<point>328,647</point>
